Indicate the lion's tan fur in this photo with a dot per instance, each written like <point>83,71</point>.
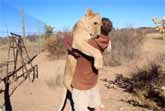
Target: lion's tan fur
<point>82,31</point>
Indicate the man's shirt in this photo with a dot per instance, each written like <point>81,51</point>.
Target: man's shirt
<point>86,75</point>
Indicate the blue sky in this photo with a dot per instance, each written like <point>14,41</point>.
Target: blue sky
<point>64,13</point>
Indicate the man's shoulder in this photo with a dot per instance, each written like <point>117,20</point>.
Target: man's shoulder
<point>102,41</point>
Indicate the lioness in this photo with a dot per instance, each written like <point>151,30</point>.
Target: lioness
<point>86,28</point>
<point>85,75</point>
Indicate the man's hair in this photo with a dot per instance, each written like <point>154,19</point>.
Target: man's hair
<point>107,26</point>
<point>108,20</point>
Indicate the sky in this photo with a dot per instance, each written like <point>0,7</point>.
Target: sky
<point>62,14</point>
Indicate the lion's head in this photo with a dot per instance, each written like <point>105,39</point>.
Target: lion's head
<point>93,22</point>
<point>90,23</point>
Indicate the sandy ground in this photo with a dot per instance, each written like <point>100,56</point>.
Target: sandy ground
<point>39,96</point>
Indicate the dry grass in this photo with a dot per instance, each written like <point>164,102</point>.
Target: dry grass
<point>3,49</point>
<point>3,53</point>
<point>145,85</point>
<point>31,44</point>
<point>32,48</point>
<point>55,47</point>
<point>55,81</point>
<point>126,45</point>
<point>3,40</point>
<point>55,78</point>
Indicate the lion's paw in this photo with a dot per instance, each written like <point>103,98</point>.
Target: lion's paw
<point>98,63</point>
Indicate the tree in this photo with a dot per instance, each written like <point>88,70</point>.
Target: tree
<point>48,31</point>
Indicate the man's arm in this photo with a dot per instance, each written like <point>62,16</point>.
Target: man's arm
<point>101,43</point>
<point>68,44</point>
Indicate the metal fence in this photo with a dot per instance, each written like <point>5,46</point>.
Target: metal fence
<point>17,20</point>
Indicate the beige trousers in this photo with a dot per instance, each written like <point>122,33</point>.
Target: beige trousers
<point>86,98</point>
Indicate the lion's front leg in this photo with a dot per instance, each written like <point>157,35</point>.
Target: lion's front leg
<point>70,66</point>
<point>89,50</point>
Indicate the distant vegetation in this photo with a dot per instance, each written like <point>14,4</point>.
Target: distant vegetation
<point>146,84</point>
<point>126,43</point>
<point>3,40</point>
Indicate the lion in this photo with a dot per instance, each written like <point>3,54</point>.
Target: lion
<point>88,27</point>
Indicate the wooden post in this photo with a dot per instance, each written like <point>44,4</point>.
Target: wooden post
<point>23,23</point>
<point>39,35</point>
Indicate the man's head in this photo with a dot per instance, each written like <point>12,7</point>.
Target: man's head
<point>106,26</point>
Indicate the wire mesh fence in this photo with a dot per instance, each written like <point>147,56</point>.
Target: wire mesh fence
<point>31,29</point>
<point>18,21</point>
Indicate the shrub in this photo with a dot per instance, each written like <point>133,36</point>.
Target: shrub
<point>55,47</point>
<point>3,40</point>
<point>126,45</point>
<point>146,85</point>
<point>55,81</point>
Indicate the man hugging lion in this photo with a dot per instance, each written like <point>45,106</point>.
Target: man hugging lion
<point>84,90</point>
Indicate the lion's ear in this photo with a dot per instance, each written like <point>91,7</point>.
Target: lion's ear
<point>89,13</point>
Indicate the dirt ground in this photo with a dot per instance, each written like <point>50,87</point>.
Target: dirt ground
<point>44,95</point>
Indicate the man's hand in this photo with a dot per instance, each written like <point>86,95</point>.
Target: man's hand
<point>109,48</point>
<point>98,63</point>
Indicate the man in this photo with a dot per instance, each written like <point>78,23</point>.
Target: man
<point>85,91</point>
